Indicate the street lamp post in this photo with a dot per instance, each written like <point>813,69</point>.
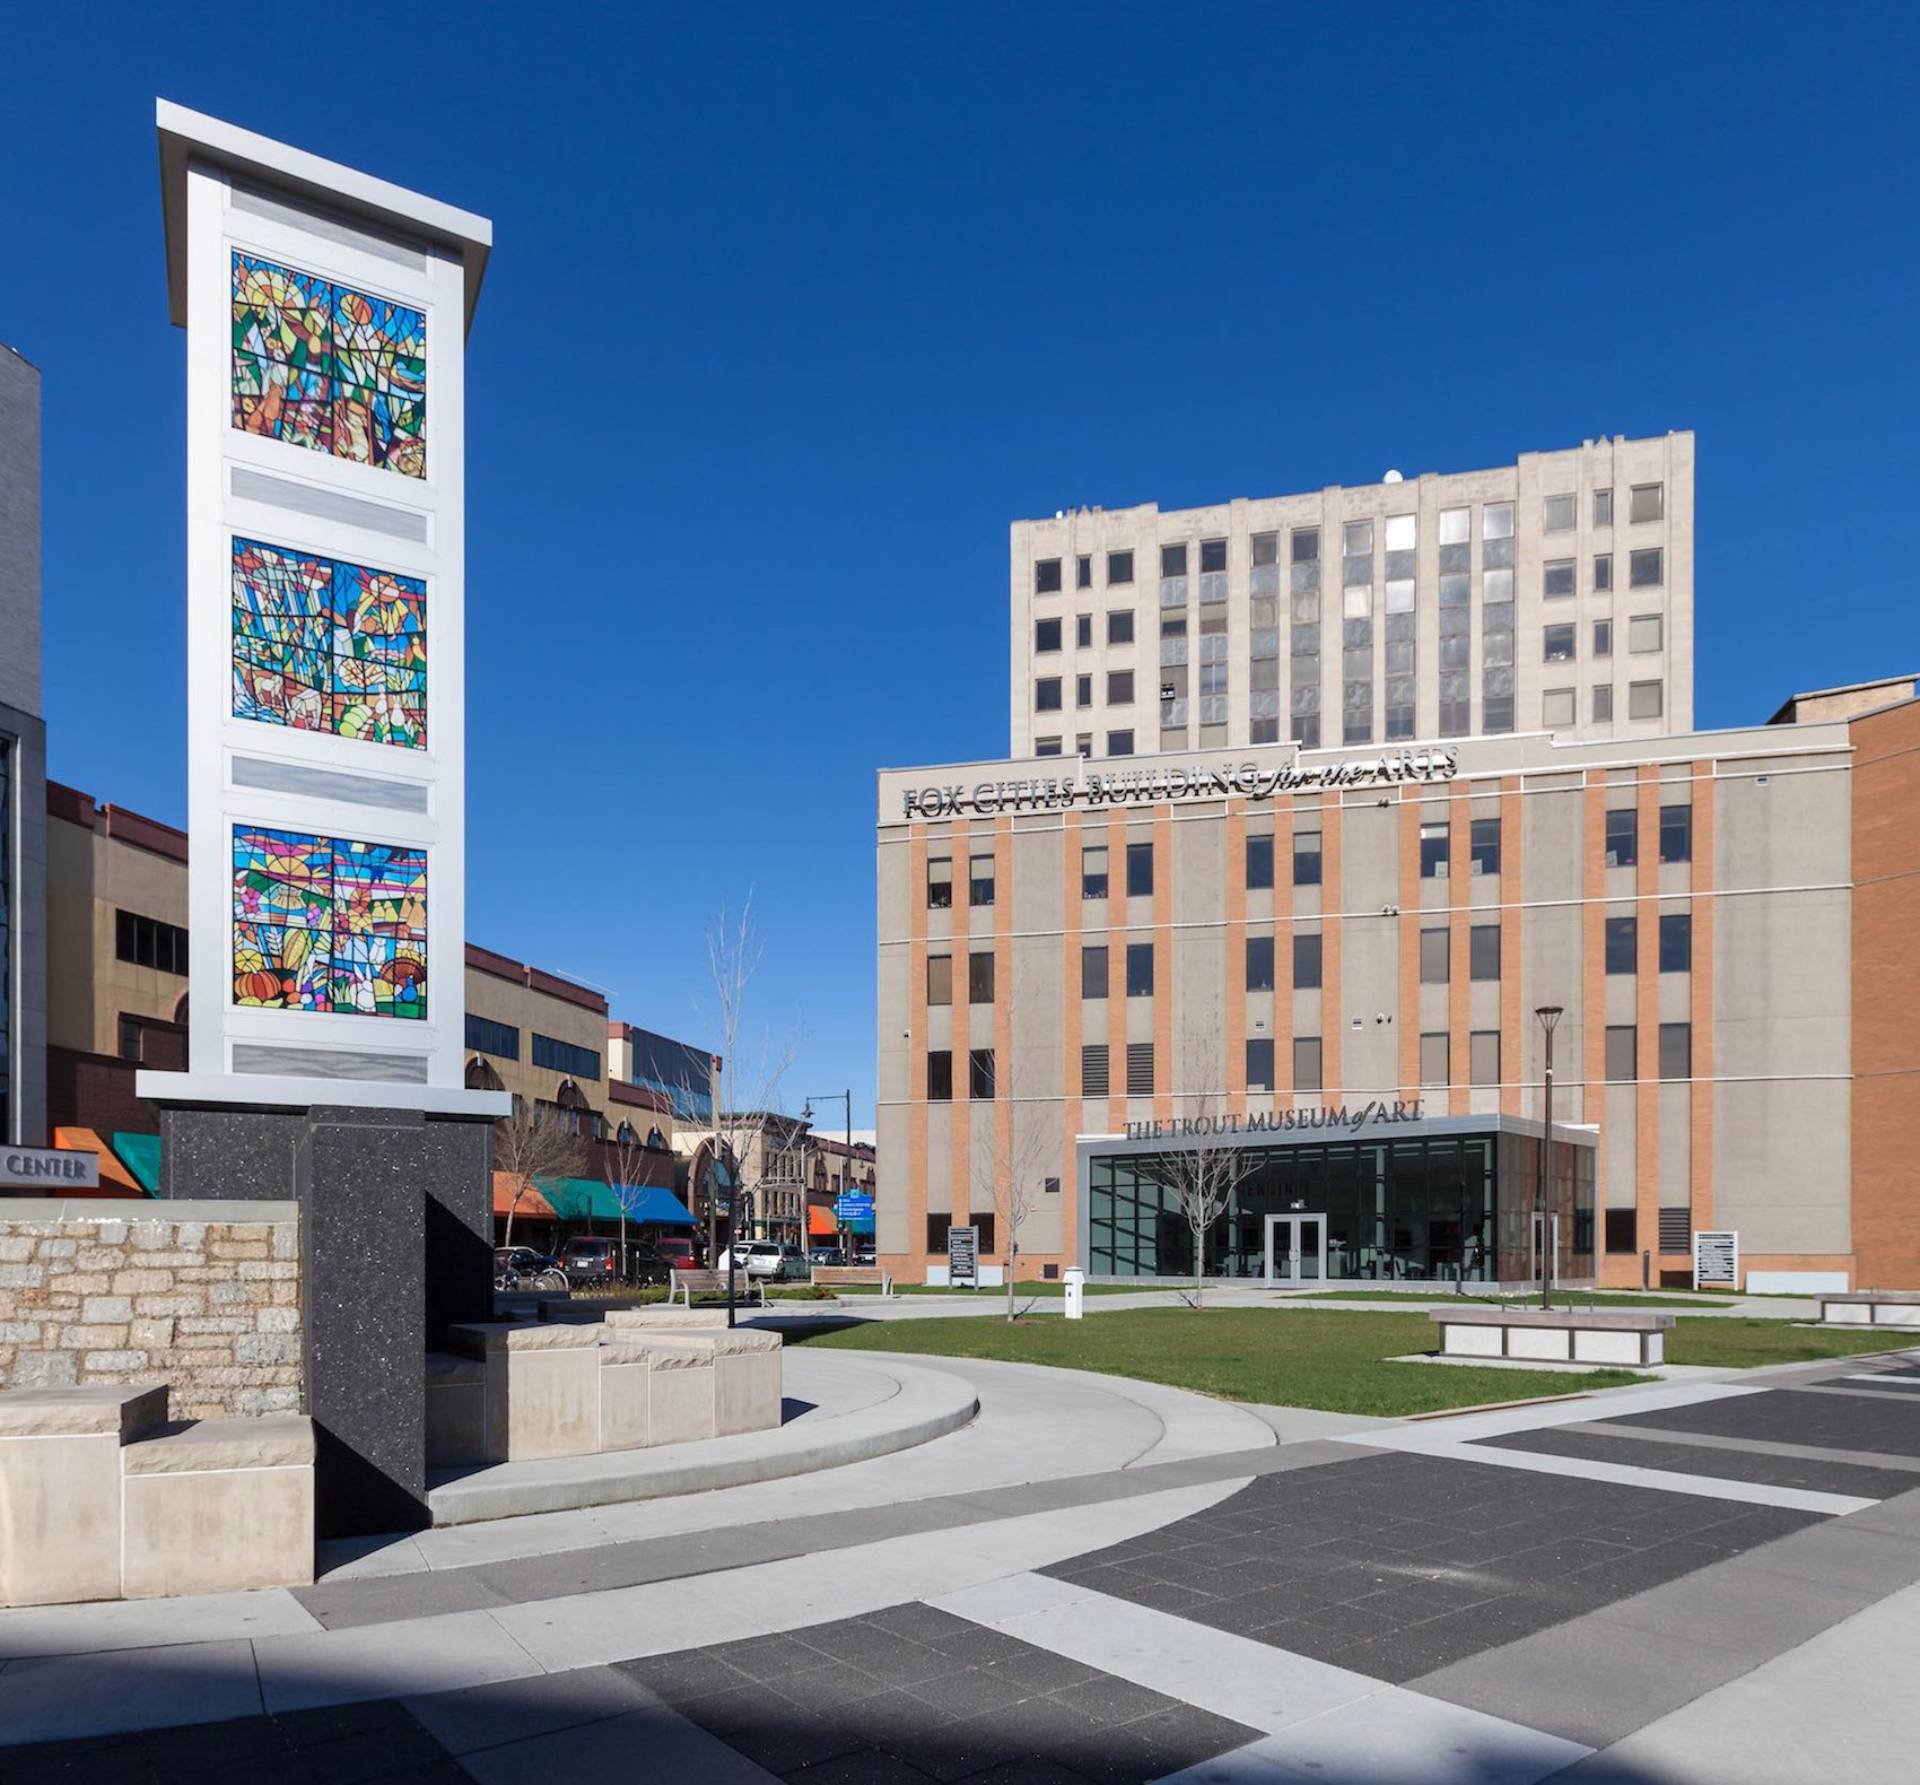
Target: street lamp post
<point>1549,1015</point>
<point>846,1170</point>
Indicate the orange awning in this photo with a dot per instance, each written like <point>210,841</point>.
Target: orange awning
<point>115,1179</point>
<point>532,1206</point>
<point>820,1223</point>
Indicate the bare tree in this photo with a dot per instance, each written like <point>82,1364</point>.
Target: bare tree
<point>530,1145</point>
<point>1010,1173</point>
<point>1200,1169</point>
<point>626,1166</point>
<point>750,1066</point>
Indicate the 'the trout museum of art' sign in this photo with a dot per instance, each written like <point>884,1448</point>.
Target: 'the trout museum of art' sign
<point>1351,1119</point>
<point>1161,786</point>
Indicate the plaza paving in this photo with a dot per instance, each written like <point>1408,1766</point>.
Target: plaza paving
<point>1095,1580</point>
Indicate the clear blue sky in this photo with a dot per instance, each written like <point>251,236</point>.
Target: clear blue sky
<point>793,309</point>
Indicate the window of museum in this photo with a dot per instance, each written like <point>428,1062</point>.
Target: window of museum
<point>939,979</point>
<point>980,1073</point>
<point>980,880</point>
<point>939,1075</point>
<point>1093,1069</point>
<point>1306,960</point>
<point>1139,969</point>
<point>1483,951</point>
<point>1139,870</point>
<point>1676,942</point>
<point>1260,1063</point>
<point>937,1226</point>
<point>1676,1050</point>
<point>1119,568</point>
<point>1621,1040</point>
<point>1433,1061</point>
<point>1259,863</point>
<point>1434,845</point>
<point>1259,963</point>
<point>1306,858</point>
<point>1676,833</point>
<point>1483,1057</point>
<point>1046,577</point>
<point>980,976</point>
<point>1093,970</point>
<point>1139,1069</point>
<point>1046,635</point>
<point>1623,1231</point>
<point>1306,1063</point>
<point>1093,871</point>
<point>1433,956</point>
<point>1623,837</point>
<point>1623,944</point>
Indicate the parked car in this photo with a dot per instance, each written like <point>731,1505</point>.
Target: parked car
<point>678,1253</point>
<point>589,1260</point>
<point>770,1260</point>
<point>520,1267</point>
<point>866,1255</point>
<point>824,1255</point>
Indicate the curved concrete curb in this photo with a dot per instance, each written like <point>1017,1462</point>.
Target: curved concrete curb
<point>928,1404</point>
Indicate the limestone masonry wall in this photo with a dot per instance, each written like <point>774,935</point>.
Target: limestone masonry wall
<point>204,1296</point>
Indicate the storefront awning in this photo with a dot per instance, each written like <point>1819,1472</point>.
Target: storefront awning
<point>821,1224</point>
<point>584,1199</point>
<point>531,1206</point>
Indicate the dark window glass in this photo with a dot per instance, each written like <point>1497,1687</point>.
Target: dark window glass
<point>1046,635</point>
<point>1623,838</point>
<point>1306,545</point>
<point>1046,695</point>
<point>1139,969</point>
<point>1083,691</point>
<point>485,1036</point>
<point>1119,567</point>
<point>1213,555</point>
<point>1483,951</point>
<point>980,1072</point>
<point>1120,743</point>
<point>939,883</point>
<point>1083,572</point>
<point>1120,628</point>
<point>563,1056</point>
<point>1139,869</point>
<point>1623,1230</point>
<point>980,976</point>
<point>1306,959</point>
<point>1623,945</point>
<point>1676,833</point>
<point>141,941</point>
<point>1046,577</point>
<point>1093,970</point>
<point>1260,1063</point>
<point>1676,942</point>
<point>1259,963</point>
<point>1093,871</point>
<point>1306,858</point>
<point>1434,845</point>
<point>980,880</point>
<point>1259,862</point>
<point>1644,568</point>
<point>1083,632</point>
<point>1119,687</point>
<point>1484,845</point>
<point>1046,746</point>
<point>937,1226</point>
<point>1173,560</point>
<point>939,1075</point>
<point>1676,1050</point>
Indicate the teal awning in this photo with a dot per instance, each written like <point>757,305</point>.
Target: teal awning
<point>583,1199</point>
<point>140,1154</point>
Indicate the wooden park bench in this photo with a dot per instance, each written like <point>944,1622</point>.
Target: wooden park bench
<point>687,1284</point>
<point>834,1276</point>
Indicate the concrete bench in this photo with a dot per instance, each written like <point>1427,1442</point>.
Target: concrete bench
<point>1872,1307</point>
<point>101,1498</point>
<point>539,1392</point>
<point>687,1284</point>
<point>1562,1335</point>
<point>835,1276</point>
<point>746,1379</point>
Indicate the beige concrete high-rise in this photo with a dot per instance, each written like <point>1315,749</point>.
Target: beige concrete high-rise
<point>1553,594</point>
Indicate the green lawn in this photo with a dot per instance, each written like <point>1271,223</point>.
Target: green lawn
<point>1022,1291</point>
<point>1320,1358</point>
<point>1335,1362</point>
<point>1570,1298</point>
<point>1746,1344</point>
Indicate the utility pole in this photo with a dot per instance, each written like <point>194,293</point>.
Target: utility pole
<point>1549,1015</point>
<point>846,1169</point>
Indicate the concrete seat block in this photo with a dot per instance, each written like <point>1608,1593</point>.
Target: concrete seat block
<point>625,1400</point>
<point>741,1340</point>
<point>543,1401</point>
<point>746,1390</point>
<point>1547,1344</point>
<point>1469,1341</point>
<point>264,1441</point>
<point>624,1319</point>
<point>489,1338</point>
<point>219,1530</point>
<point>60,1499</point>
<point>682,1401</point>
<point>122,1412</point>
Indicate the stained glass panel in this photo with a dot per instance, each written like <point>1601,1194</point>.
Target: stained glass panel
<point>324,924</point>
<point>320,365</point>
<point>323,645</point>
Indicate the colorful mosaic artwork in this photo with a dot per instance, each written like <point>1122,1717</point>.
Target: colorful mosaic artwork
<point>324,366</point>
<point>323,924</point>
<point>323,645</point>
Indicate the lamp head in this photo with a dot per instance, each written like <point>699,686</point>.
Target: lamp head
<point>1549,1015</point>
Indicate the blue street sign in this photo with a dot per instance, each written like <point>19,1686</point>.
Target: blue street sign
<point>852,1208</point>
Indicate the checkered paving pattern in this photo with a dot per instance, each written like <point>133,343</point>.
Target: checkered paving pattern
<point>1866,1421</point>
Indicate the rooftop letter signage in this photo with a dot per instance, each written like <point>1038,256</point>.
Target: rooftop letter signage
<point>1093,789</point>
<point>1283,1121</point>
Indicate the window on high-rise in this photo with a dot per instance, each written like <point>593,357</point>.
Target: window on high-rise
<point>1046,576</point>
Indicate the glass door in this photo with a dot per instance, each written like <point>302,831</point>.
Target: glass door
<point>1296,1250</point>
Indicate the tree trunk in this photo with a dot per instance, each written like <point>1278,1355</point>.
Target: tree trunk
<point>1199,1264</point>
<point>513,1205</point>
<point>1013,1259</point>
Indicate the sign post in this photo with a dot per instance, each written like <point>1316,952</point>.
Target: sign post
<point>963,1256</point>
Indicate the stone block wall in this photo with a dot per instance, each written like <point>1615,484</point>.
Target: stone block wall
<point>204,1296</point>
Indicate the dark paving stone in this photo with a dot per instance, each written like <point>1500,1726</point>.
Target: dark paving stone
<point>1729,1465</point>
<point>1396,1565</point>
<point>110,1761</point>
<point>868,1767</point>
<point>683,1676</point>
<point>1787,1416</point>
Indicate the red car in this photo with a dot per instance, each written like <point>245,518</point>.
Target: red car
<point>678,1254</point>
